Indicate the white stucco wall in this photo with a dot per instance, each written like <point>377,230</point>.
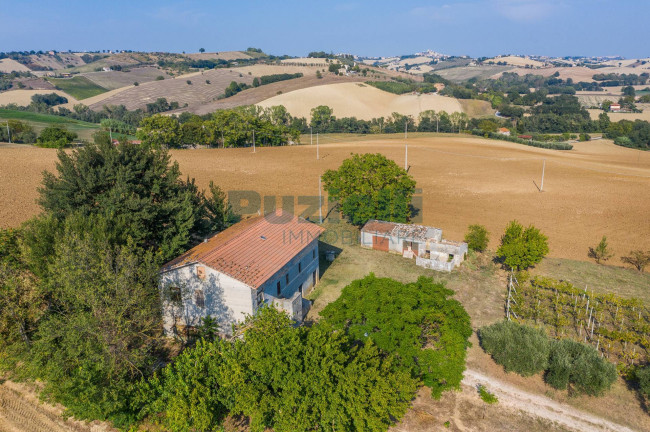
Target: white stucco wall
<point>226,299</point>
<point>229,300</point>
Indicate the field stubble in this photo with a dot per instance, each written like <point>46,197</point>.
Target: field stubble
<point>597,189</point>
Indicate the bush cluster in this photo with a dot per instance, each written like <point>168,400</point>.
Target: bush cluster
<point>568,364</point>
<point>521,349</point>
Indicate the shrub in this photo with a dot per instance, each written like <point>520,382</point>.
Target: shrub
<point>600,252</point>
<point>580,368</point>
<point>522,248</point>
<point>623,141</point>
<point>477,238</point>
<point>518,348</point>
<point>486,396</point>
<point>643,375</point>
<point>136,83</point>
<point>188,82</point>
<point>160,78</point>
<point>55,137</point>
<point>638,259</point>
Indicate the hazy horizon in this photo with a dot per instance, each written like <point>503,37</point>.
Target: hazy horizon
<point>556,28</point>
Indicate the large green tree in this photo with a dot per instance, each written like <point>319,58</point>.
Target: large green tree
<point>371,186</point>
<point>281,377</point>
<point>102,327</point>
<point>160,131</point>
<point>21,301</point>
<point>417,321</point>
<point>136,187</point>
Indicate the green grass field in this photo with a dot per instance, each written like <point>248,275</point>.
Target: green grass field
<point>39,122</point>
<point>78,87</point>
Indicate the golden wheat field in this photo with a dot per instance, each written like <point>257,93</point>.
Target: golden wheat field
<point>360,100</point>
<point>594,190</point>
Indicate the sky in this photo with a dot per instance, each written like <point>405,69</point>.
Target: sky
<point>369,28</point>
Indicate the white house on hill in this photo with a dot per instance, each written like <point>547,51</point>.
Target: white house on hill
<point>271,259</point>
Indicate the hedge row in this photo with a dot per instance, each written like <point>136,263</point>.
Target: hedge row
<point>540,144</point>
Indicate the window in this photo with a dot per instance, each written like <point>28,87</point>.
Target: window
<point>313,253</point>
<point>199,298</point>
<point>299,267</point>
<point>260,297</point>
<point>286,277</point>
<point>175,294</point>
<point>279,287</point>
<point>200,272</point>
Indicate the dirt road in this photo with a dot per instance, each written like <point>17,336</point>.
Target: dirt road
<point>540,406</point>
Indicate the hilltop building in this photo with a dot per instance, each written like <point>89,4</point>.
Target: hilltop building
<point>423,243</point>
<point>271,259</point>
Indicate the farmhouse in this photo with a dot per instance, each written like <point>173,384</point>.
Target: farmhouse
<point>615,107</point>
<point>504,131</point>
<point>423,243</point>
<point>271,259</point>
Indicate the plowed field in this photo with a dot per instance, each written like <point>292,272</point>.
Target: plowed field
<point>594,190</point>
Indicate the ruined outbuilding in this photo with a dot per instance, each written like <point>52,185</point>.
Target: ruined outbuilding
<point>422,243</point>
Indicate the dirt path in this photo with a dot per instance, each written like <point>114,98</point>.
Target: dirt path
<point>541,406</point>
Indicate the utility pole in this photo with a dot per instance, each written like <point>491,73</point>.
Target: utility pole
<point>406,156</point>
<point>8,132</point>
<point>317,153</point>
<point>320,203</point>
<point>406,124</point>
<point>253,140</point>
<point>311,136</point>
<point>541,188</point>
<point>406,148</point>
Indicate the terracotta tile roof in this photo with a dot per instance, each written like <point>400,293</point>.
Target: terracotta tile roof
<point>379,226</point>
<point>253,250</point>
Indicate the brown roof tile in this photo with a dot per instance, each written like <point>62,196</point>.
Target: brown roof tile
<point>253,250</point>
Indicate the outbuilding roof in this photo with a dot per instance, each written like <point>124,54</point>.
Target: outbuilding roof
<point>252,251</point>
<point>401,230</point>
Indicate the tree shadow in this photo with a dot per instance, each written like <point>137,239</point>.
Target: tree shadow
<point>633,386</point>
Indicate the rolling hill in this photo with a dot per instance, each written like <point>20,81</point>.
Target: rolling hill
<point>361,101</point>
<point>176,89</point>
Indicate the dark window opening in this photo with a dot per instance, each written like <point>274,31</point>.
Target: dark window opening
<point>279,287</point>
<point>299,267</point>
<point>175,294</point>
<point>286,277</point>
<point>199,298</point>
<point>313,253</point>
